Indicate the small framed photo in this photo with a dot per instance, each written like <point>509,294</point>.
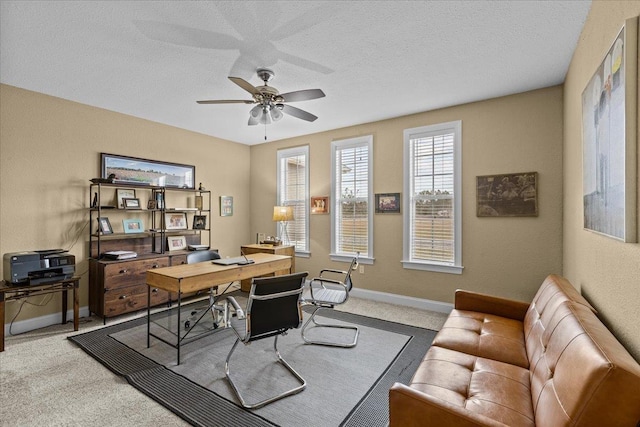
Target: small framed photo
<point>131,203</point>
<point>175,221</point>
<point>104,226</point>
<point>388,203</point>
<point>226,205</point>
<point>320,205</point>
<point>132,226</point>
<point>176,243</point>
<point>124,193</point>
<point>199,222</point>
<point>152,204</point>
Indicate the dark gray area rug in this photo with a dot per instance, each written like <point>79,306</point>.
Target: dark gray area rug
<point>346,387</point>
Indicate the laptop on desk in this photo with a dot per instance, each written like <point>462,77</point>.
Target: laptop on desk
<point>239,260</point>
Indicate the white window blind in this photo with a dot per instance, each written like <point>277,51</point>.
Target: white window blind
<point>352,223</point>
<point>432,202</point>
<point>293,190</point>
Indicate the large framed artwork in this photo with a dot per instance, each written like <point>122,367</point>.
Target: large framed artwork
<point>510,194</point>
<point>132,170</point>
<point>609,140</point>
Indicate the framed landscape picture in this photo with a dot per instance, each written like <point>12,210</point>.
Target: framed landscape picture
<point>133,170</point>
<point>511,194</point>
<point>388,203</point>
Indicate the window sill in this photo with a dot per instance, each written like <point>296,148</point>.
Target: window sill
<point>349,258</point>
<point>438,268</point>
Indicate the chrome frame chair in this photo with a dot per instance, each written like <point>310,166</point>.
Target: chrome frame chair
<point>324,297</point>
<point>218,311</point>
<point>274,306</point>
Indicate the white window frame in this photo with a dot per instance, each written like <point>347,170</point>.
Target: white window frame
<point>284,154</point>
<point>361,141</point>
<point>432,130</point>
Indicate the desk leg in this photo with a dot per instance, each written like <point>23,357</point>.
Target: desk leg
<point>2,323</point>
<point>76,305</point>
<point>179,324</point>
<point>148,316</point>
<point>64,306</point>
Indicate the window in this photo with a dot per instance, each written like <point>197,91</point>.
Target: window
<point>293,190</point>
<point>432,202</point>
<point>351,188</point>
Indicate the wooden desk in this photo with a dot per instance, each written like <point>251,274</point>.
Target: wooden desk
<point>189,278</point>
<point>11,292</point>
<point>289,250</point>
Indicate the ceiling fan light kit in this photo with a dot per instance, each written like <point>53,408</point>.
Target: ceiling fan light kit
<point>271,105</point>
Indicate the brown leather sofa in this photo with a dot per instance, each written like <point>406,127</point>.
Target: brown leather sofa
<point>499,362</point>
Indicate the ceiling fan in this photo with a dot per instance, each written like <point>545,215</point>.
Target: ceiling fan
<point>270,104</point>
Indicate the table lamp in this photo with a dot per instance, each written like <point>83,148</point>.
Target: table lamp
<point>283,214</point>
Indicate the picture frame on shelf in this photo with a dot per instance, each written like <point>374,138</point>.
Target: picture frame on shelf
<point>104,226</point>
<point>131,203</point>
<point>175,221</point>
<point>137,171</point>
<point>176,243</point>
<point>226,205</point>
<point>159,197</point>
<point>199,222</point>
<point>124,193</point>
<point>152,205</point>
<point>132,226</point>
<point>388,203</point>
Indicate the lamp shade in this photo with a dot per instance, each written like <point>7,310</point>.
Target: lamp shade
<point>282,213</point>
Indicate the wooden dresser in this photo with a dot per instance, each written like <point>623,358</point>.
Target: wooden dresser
<point>118,287</point>
<point>289,250</point>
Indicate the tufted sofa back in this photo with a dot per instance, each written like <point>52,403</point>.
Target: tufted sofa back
<point>553,292</point>
<point>581,375</point>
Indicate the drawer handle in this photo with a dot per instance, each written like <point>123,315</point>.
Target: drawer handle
<point>154,290</point>
<point>155,266</point>
<point>124,270</point>
<point>123,297</point>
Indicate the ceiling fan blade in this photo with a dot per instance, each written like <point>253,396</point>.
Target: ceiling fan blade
<point>302,95</point>
<point>225,101</point>
<point>244,85</point>
<point>301,114</point>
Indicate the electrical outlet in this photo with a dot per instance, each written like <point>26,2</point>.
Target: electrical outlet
<point>361,269</point>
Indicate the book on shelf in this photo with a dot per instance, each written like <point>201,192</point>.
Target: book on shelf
<point>120,254</point>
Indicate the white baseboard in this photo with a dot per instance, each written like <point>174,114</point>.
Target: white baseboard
<point>27,325</point>
<point>423,304</point>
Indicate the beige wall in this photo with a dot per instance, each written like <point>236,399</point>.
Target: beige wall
<point>606,270</point>
<point>49,150</point>
<point>504,256</point>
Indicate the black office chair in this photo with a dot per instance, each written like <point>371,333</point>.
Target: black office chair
<point>327,292</point>
<point>274,306</point>
<point>218,311</point>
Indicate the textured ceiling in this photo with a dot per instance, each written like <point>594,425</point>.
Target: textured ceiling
<point>373,59</point>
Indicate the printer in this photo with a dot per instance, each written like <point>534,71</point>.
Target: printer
<point>37,267</point>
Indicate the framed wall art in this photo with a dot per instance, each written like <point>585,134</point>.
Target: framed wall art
<point>131,203</point>
<point>609,140</point>
<point>320,205</point>
<point>175,221</point>
<point>511,194</point>
<point>226,205</point>
<point>133,170</point>
<point>388,203</point>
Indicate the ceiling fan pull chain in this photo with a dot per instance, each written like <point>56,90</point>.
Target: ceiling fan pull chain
<point>265,131</point>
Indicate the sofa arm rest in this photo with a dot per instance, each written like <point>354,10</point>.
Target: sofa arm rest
<point>409,407</point>
<point>473,301</point>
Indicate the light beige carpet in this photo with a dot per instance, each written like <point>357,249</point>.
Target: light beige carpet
<point>46,380</point>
